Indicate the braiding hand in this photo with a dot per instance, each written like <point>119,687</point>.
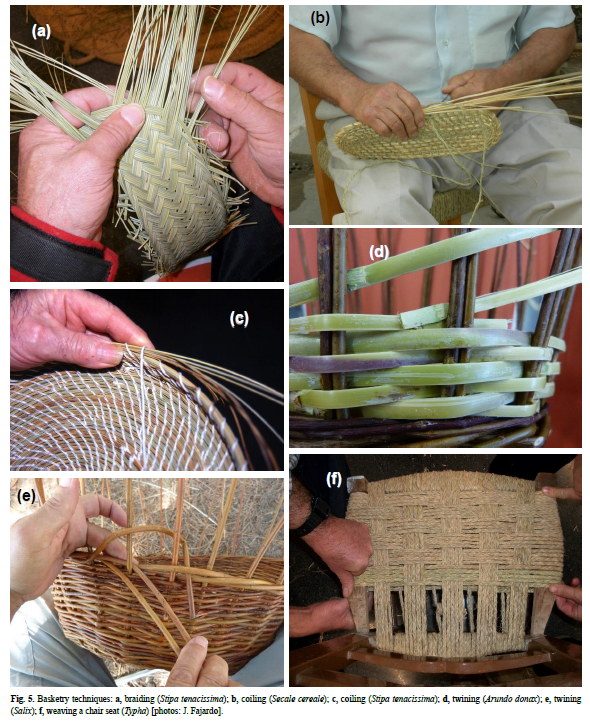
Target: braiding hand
<point>194,670</point>
<point>569,598</point>
<point>71,326</point>
<point>67,183</point>
<point>569,493</point>
<point>477,81</point>
<point>41,541</point>
<point>246,116</point>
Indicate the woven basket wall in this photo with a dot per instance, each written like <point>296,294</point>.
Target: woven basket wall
<point>474,545</point>
<point>98,611</point>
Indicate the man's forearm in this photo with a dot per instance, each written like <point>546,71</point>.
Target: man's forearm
<point>299,505</point>
<point>541,55</point>
<point>313,66</point>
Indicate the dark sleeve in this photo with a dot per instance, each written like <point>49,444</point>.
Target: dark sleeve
<point>252,252</point>
<point>40,252</point>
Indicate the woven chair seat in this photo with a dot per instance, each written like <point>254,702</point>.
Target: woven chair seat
<point>445,204</point>
<point>471,546</point>
<point>443,134</point>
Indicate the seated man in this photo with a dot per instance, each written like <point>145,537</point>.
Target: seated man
<point>380,64</point>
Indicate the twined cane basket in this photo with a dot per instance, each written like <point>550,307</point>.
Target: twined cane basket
<point>434,376</point>
<point>461,562</point>
<point>143,611</point>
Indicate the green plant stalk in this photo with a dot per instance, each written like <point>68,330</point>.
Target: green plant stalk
<point>372,322</point>
<point>344,398</point>
<point>510,385</point>
<point>418,259</point>
<point>439,408</point>
<point>416,339</point>
<point>514,410</point>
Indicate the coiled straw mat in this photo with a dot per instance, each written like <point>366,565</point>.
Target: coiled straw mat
<point>142,612</point>
<point>142,415</point>
<point>452,132</point>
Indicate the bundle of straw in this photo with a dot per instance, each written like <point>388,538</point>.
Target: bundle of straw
<point>174,194</point>
<point>435,376</point>
<point>456,127</point>
<point>144,610</point>
<point>149,413</point>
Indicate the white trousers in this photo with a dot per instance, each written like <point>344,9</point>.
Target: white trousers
<point>539,179</point>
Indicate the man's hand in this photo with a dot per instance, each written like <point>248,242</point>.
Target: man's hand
<point>569,598</point>
<point>194,670</point>
<point>71,326</point>
<point>387,108</point>
<point>320,617</point>
<point>246,116</point>
<point>569,493</point>
<point>69,184</point>
<point>41,541</point>
<point>345,546</point>
<point>478,81</point>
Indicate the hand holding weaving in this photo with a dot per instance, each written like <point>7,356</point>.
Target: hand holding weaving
<point>68,183</point>
<point>246,125</point>
<point>345,546</point>
<point>41,541</point>
<point>70,326</point>
<point>194,670</point>
<point>477,81</point>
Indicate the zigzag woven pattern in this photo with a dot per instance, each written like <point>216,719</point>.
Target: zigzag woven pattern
<point>472,544</point>
<point>167,181</point>
<point>443,134</point>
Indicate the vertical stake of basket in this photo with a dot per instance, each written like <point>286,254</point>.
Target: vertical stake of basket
<point>456,309</point>
<point>566,305</point>
<point>339,281</point>
<point>543,330</point>
<point>270,536</point>
<point>177,525</point>
<point>233,549</point>
<point>469,311</point>
<point>129,507</point>
<point>303,254</point>
<point>325,298</point>
<point>221,524</point>
<point>356,295</point>
<point>209,511</point>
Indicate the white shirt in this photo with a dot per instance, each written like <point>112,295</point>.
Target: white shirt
<point>422,46</point>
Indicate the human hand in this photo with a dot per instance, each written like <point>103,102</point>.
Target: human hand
<point>569,493</point>
<point>192,670</point>
<point>246,116</point>
<point>41,541</point>
<point>70,326</point>
<point>477,81</point>
<point>320,617</point>
<point>345,546</point>
<point>386,107</point>
<point>67,183</point>
<point>569,598</point>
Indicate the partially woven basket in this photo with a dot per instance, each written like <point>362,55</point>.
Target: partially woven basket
<point>470,547</point>
<point>141,415</point>
<point>98,611</point>
<point>443,134</point>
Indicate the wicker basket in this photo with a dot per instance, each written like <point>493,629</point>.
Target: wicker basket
<point>458,557</point>
<point>436,376</point>
<point>443,134</point>
<point>98,611</point>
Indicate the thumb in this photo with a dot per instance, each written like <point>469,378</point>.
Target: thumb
<point>455,82</point>
<point>347,581</point>
<point>234,104</point>
<point>85,350</point>
<point>116,133</point>
<point>58,510</point>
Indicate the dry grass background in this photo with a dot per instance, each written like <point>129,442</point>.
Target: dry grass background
<point>253,510</point>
